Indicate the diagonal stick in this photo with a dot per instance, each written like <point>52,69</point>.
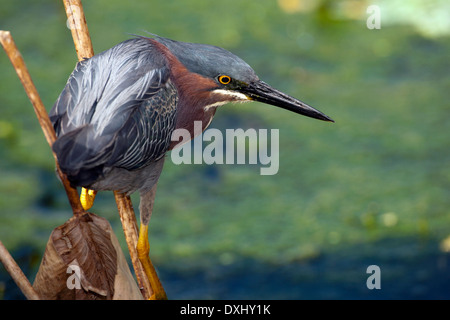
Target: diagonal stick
<point>21,69</point>
<point>83,46</point>
<point>16,273</point>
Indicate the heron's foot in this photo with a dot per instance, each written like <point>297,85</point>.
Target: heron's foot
<point>143,249</point>
<point>87,198</point>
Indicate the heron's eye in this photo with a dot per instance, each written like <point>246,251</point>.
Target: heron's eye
<point>224,79</point>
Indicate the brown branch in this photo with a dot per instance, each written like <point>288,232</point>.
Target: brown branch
<point>22,72</point>
<point>83,46</point>
<point>130,229</point>
<point>16,273</point>
<point>79,29</point>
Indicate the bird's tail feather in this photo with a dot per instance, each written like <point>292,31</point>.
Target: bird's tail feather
<point>79,156</point>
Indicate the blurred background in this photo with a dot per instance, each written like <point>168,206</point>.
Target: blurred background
<point>372,188</point>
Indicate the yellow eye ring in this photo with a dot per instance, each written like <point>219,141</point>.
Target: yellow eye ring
<point>224,79</point>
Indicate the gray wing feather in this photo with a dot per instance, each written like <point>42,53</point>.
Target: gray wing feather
<point>117,110</point>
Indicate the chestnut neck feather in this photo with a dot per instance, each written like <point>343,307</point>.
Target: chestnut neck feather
<point>194,93</point>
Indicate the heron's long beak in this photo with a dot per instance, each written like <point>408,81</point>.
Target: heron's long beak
<point>262,92</point>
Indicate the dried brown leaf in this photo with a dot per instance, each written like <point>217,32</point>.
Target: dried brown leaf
<point>83,260</point>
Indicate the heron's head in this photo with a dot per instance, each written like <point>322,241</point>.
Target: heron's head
<point>231,79</point>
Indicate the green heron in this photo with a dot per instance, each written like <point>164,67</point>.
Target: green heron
<point>115,117</point>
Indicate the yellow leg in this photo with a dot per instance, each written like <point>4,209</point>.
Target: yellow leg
<point>87,198</point>
<point>143,249</point>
